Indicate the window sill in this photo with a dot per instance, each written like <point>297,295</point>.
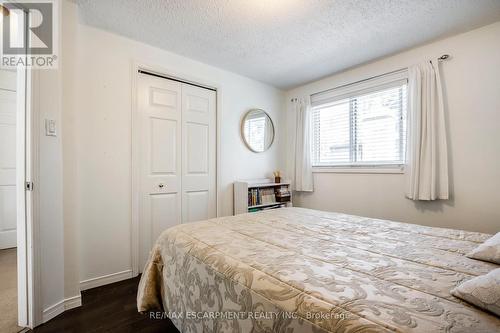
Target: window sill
<point>383,169</point>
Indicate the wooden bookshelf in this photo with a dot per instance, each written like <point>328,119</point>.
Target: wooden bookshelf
<point>259,194</point>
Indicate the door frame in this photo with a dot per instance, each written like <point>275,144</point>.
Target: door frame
<point>135,158</point>
<point>24,200</point>
<point>27,200</point>
<point>31,237</point>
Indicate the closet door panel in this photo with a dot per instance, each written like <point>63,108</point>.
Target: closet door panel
<point>177,126</point>
<point>164,212</point>
<point>197,205</point>
<point>197,149</point>
<point>198,154</point>
<point>163,146</point>
<point>159,105</point>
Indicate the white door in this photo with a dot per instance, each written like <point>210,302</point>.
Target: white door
<point>177,157</point>
<point>159,105</point>
<point>198,154</point>
<point>8,115</point>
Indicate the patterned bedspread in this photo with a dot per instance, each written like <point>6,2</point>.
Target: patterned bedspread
<point>301,270</point>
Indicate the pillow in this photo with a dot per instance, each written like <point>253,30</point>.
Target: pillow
<point>488,251</point>
<point>482,291</point>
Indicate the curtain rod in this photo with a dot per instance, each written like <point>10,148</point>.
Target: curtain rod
<point>441,58</point>
<point>174,79</point>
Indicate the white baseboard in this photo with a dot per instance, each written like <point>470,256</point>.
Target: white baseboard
<point>58,308</point>
<point>105,279</point>
<point>8,239</point>
<point>76,301</point>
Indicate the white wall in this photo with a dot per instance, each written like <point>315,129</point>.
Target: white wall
<point>58,256</point>
<point>472,90</point>
<point>49,188</point>
<point>102,140</point>
<point>70,166</point>
<point>47,105</point>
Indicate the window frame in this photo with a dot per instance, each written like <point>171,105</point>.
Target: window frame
<point>355,89</point>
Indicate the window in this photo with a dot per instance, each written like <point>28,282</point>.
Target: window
<point>361,127</point>
<point>255,132</point>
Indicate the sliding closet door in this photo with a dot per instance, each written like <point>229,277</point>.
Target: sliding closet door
<point>198,154</point>
<point>159,106</point>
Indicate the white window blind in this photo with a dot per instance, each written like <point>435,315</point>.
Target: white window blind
<point>361,125</point>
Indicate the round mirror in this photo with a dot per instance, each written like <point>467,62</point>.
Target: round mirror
<point>257,130</point>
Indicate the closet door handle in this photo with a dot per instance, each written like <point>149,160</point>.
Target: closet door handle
<point>161,185</point>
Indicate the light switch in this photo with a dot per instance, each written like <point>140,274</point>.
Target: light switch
<point>50,127</point>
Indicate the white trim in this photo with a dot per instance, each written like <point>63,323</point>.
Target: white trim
<point>8,239</point>
<point>35,308</point>
<point>362,87</point>
<point>218,161</point>
<point>61,306</point>
<point>53,311</point>
<point>135,174</point>
<point>106,279</point>
<point>397,169</point>
<point>354,90</point>
<point>72,302</point>
<point>135,67</point>
<point>28,273</point>
<point>23,208</point>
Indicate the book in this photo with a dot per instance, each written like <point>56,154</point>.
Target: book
<point>261,196</point>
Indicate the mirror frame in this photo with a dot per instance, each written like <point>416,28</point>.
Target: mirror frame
<point>242,127</point>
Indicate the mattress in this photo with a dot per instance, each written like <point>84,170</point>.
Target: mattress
<point>301,270</point>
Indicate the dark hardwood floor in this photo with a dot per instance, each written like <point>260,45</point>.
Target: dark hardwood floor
<point>110,308</point>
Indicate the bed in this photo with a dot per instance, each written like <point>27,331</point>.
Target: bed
<point>302,270</point>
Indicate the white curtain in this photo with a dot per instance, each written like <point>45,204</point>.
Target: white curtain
<point>427,153</point>
<point>302,167</point>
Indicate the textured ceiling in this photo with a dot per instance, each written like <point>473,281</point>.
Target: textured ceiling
<point>287,42</point>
